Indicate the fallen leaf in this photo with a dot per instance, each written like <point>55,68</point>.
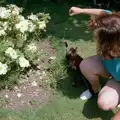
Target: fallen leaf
<point>34,83</point>
<point>6,96</point>
<point>52,57</point>
<point>16,88</point>
<point>41,77</point>
<point>19,95</point>
<point>43,73</point>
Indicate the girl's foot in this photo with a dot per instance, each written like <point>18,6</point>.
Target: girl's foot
<point>87,94</point>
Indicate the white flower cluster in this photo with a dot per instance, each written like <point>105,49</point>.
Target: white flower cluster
<point>3,69</point>
<point>30,25</point>
<point>4,13</point>
<point>23,62</point>
<point>12,53</point>
<point>22,26</point>
<point>42,25</point>
<point>14,9</point>
<point>16,31</point>
<point>3,28</point>
<point>21,18</point>
<point>33,17</point>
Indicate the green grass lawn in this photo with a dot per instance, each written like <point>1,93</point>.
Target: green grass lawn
<point>66,104</point>
<point>62,108</point>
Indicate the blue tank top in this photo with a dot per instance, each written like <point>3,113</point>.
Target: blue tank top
<point>113,67</point>
<point>108,11</point>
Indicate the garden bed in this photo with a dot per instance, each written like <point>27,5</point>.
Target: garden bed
<point>31,90</point>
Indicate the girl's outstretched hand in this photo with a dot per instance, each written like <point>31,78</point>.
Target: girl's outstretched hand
<point>75,11</point>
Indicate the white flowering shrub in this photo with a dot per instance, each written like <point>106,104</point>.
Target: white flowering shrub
<point>18,51</point>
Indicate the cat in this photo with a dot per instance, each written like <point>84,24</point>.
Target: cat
<point>72,56</point>
<point>74,60</point>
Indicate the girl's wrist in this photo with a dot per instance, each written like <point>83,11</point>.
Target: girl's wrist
<point>81,11</point>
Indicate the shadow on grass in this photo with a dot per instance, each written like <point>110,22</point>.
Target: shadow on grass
<point>65,85</point>
<point>91,111</point>
<point>61,24</point>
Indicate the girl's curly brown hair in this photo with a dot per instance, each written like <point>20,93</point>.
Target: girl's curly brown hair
<point>107,32</point>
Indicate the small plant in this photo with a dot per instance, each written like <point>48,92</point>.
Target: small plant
<point>18,50</point>
<point>34,102</point>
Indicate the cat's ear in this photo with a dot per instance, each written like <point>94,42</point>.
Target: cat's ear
<point>66,44</point>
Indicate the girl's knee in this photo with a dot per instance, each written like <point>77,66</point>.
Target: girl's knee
<point>86,68</point>
<point>92,66</point>
<point>85,65</point>
<point>82,65</point>
<point>105,103</point>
